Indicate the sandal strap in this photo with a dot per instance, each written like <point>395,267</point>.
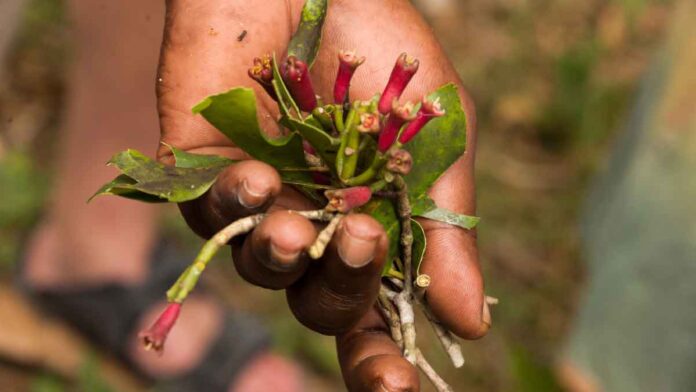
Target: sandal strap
<point>109,313</point>
<point>240,340</point>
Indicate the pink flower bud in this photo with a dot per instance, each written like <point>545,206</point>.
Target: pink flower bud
<point>262,72</point>
<point>154,337</point>
<point>403,71</point>
<point>346,199</point>
<point>428,110</point>
<point>369,123</point>
<point>398,116</point>
<point>347,63</point>
<point>400,162</point>
<point>296,77</point>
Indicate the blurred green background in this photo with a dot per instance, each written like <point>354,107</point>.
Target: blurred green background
<point>552,81</point>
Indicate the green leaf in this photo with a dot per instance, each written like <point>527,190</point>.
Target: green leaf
<point>285,99</point>
<point>147,180</point>
<point>305,42</point>
<point>422,205</point>
<point>234,114</point>
<point>419,244</point>
<point>125,186</point>
<point>438,145</point>
<point>189,160</point>
<point>325,145</point>
<point>447,216</point>
<point>384,212</point>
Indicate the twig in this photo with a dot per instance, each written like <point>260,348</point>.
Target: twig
<point>404,300</point>
<point>392,317</point>
<point>319,246</point>
<point>437,381</point>
<point>189,278</point>
<point>447,339</point>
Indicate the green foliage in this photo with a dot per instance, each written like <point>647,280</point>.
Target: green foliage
<point>234,114</point>
<point>305,43</point>
<point>147,180</point>
<point>23,190</point>
<point>90,378</point>
<point>188,160</point>
<point>46,382</point>
<point>447,216</point>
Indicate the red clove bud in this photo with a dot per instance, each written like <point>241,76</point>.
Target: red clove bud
<point>397,118</point>
<point>296,77</point>
<point>403,71</point>
<point>154,337</point>
<point>400,161</point>
<point>262,72</point>
<point>348,62</point>
<point>429,109</point>
<point>346,199</point>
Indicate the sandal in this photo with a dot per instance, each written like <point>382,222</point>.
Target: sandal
<point>107,314</point>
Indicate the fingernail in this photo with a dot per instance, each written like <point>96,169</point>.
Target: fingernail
<point>486,314</point>
<point>250,197</point>
<point>282,259</point>
<point>356,251</point>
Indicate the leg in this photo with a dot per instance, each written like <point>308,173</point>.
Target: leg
<point>111,106</point>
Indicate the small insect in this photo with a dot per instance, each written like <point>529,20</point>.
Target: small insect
<point>241,36</point>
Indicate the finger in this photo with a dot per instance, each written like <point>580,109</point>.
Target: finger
<point>456,292</point>
<point>243,189</point>
<point>337,290</point>
<point>371,361</point>
<point>274,256</point>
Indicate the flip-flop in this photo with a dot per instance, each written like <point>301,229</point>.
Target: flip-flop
<point>108,314</point>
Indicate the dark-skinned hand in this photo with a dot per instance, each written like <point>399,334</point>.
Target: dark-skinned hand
<point>201,55</point>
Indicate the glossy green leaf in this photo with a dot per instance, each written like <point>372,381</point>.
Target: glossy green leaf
<point>305,42</point>
<point>145,179</point>
<point>384,212</point>
<point>325,145</point>
<point>438,145</point>
<point>234,114</point>
<point>125,186</point>
<point>447,216</point>
<point>189,160</point>
<point>419,244</point>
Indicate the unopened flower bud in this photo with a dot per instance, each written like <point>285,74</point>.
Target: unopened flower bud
<point>400,161</point>
<point>262,72</point>
<point>346,199</point>
<point>296,77</point>
<point>396,119</point>
<point>154,337</point>
<point>369,123</point>
<point>401,74</point>
<point>429,109</point>
<point>348,62</point>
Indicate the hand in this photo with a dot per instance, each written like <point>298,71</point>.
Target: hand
<point>201,55</point>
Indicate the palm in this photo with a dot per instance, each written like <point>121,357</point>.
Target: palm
<point>202,56</point>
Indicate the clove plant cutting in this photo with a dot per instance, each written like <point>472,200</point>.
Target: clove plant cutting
<point>377,156</point>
